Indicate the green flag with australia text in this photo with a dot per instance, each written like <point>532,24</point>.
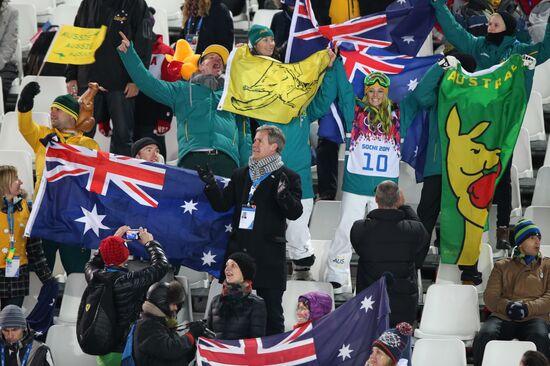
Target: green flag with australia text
<point>479,116</point>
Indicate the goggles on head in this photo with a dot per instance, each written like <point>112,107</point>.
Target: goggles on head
<point>377,78</point>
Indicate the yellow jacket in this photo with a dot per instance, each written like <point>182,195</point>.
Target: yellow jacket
<point>20,221</point>
<point>342,10</point>
<point>33,132</point>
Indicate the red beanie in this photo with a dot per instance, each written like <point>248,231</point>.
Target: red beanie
<point>114,250</point>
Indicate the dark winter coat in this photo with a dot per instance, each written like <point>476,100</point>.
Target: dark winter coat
<point>131,286</point>
<point>266,243</point>
<point>216,28</point>
<point>38,356</point>
<point>129,16</point>
<point>237,318</point>
<point>391,240</point>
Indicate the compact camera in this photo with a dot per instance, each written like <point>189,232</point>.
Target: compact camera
<point>132,234</point>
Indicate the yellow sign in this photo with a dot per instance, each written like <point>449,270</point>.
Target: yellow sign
<point>76,45</point>
<point>264,88</point>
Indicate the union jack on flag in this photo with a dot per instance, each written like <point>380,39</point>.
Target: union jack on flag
<point>343,337</point>
<point>86,195</point>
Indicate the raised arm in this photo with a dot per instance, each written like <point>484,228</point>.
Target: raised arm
<point>454,32</point>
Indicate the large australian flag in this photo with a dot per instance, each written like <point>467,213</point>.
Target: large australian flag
<point>343,337</point>
<point>85,195</point>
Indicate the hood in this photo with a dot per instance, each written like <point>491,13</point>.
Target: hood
<point>319,304</point>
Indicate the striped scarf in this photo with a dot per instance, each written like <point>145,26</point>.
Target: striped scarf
<point>263,166</point>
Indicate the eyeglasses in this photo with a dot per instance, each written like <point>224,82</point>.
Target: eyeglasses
<point>377,77</point>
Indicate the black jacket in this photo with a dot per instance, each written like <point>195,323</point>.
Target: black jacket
<point>266,243</point>
<point>216,28</point>
<point>129,16</point>
<point>244,317</point>
<point>38,356</point>
<point>395,241</point>
<point>130,287</point>
<point>157,345</point>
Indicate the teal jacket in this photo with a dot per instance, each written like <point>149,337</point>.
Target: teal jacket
<point>485,53</point>
<point>353,183</point>
<point>297,152</point>
<point>200,124</point>
<point>424,97</point>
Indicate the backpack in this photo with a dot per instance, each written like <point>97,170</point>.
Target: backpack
<point>127,354</point>
<point>96,326</point>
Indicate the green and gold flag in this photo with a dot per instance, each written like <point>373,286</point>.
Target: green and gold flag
<point>479,116</point>
<point>263,88</point>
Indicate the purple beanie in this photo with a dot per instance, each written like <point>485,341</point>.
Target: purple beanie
<point>319,304</point>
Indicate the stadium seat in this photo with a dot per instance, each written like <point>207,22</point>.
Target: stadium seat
<point>103,142</point>
<point>498,353</point>
<point>264,17</point>
<point>1,104</point>
<point>31,299</point>
<point>196,279</point>
<point>522,155</point>
<point>50,88</point>
<point>171,139</point>
<point>450,311</point>
<point>431,352</point>
<point>541,195</point>
<point>295,289</point>
<point>161,25</point>
<point>450,274</point>
<point>172,9</point>
<point>324,219</point>
<point>540,81</point>
<point>44,8</point>
<point>65,348</point>
<point>533,120</point>
<point>545,250</point>
<point>547,155</point>
<point>407,184</point>
<point>11,138</point>
<point>64,14</point>
<point>319,268</point>
<point>516,193</point>
<point>74,288</point>
<point>540,215</point>
<point>215,289</point>
<point>186,313</point>
<point>27,23</point>
<point>22,161</point>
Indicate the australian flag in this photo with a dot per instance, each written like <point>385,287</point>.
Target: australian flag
<point>85,195</point>
<point>343,337</point>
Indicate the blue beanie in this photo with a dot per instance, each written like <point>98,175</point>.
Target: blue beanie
<point>524,229</point>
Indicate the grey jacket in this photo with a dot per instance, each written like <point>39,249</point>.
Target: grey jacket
<point>8,35</point>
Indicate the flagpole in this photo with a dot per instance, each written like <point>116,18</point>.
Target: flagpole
<point>49,49</point>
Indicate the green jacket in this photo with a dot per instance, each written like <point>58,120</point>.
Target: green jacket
<point>297,152</point>
<point>200,124</point>
<point>485,53</point>
<point>424,97</point>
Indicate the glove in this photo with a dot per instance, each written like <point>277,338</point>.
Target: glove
<point>206,175</point>
<point>105,128</point>
<point>197,329</point>
<point>26,97</point>
<point>161,124</point>
<point>447,62</point>
<point>517,310</point>
<point>282,188</point>
<point>49,138</point>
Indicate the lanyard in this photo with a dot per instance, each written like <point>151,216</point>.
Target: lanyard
<point>11,227</point>
<point>255,184</point>
<point>25,357</point>
<point>198,26</point>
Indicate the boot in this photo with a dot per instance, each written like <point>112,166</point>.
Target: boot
<point>301,269</point>
<point>503,238</point>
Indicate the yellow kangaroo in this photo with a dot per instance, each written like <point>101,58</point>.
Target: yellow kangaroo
<point>468,163</point>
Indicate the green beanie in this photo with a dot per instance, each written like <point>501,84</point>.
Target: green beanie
<point>68,104</point>
<point>258,32</point>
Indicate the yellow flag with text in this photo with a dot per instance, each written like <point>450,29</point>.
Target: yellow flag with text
<point>263,88</point>
<point>76,45</point>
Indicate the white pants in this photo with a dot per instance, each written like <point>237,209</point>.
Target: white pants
<point>298,238</point>
<point>354,207</point>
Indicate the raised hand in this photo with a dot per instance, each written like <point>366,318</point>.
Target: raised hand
<point>26,97</point>
<point>124,43</point>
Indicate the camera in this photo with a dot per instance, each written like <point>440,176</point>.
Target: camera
<point>132,234</point>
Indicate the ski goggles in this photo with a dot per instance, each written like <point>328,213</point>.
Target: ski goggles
<point>377,77</point>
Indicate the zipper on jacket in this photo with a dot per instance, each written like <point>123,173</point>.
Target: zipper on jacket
<point>186,135</point>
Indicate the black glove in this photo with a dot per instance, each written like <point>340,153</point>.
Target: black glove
<point>49,138</point>
<point>282,188</point>
<point>517,310</point>
<point>197,329</point>
<point>206,175</point>
<point>26,97</point>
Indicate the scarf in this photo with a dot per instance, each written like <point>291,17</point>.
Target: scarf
<point>495,38</point>
<point>209,81</point>
<point>152,309</point>
<point>232,298</point>
<point>263,166</point>
<point>527,259</point>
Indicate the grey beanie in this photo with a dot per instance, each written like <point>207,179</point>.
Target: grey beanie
<point>12,317</point>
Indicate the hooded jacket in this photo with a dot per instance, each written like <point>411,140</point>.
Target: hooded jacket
<point>320,304</point>
<point>39,354</point>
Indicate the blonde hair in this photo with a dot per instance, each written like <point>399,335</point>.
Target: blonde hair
<point>202,11</point>
<point>8,174</point>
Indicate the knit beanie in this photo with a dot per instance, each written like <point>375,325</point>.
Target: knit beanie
<point>318,303</point>
<point>114,250</point>
<point>509,21</point>
<point>393,341</point>
<point>257,32</point>
<point>246,264</point>
<point>141,143</point>
<point>524,229</point>
<point>12,317</point>
<point>68,104</point>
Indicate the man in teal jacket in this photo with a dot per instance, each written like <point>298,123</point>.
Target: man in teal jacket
<point>205,135</point>
<point>297,156</point>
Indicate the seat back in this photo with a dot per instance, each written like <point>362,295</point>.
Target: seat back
<point>161,25</point>
<point>540,215</point>
<point>324,219</point>
<point>31,299</point>
<point>264,17</point>
<point>498,353</point>
<point>541,195</point>
<point>65,349</point>
<point>540,80</point>
<point>11,138</point>
<point>27,23</point>
<point>407,184</point>
<point>290,298</point>
<point>186,313</point>
<point>319,268</point>
<point>22,161</point>
<point>74,288</point>
<point>533,120</point>
<point>522,155</point>
<point>50,88</point>
<point>430,352</point>
<point>64,14</point>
